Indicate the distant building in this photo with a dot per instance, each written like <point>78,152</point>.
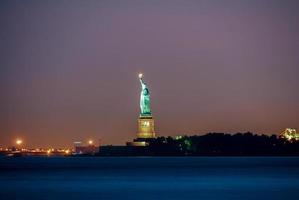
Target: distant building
<point>85,150</point>
<point>137,144</point>
<point>289,134</point>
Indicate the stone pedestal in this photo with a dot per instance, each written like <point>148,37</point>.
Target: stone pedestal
<point>146,127</point>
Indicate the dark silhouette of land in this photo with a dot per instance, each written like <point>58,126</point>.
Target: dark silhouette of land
<point>211,144</point>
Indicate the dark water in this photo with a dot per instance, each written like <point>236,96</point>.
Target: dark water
<point>150,178</point>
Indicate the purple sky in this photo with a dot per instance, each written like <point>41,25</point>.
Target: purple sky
<point>68,69</point>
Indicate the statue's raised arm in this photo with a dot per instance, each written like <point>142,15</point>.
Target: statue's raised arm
<point>143,85</point>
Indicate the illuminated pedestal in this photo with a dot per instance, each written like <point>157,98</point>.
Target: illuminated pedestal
<point>146,127</point>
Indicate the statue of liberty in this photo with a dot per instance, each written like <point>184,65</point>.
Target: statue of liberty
<point>145,109</point>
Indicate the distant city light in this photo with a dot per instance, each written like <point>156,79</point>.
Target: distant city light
<point>67,151</point>
<point>19,142</point>
<point>290,134</point>
<point>90,142</point>
<point>178,137</point>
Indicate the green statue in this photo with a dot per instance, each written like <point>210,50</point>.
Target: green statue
<point>145,109</point>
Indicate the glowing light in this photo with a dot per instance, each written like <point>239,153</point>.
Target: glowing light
<point>140,75</point>
<point>178,137</point>
<point>290,134</point>
<point>90,142</point>
<point>19,142</point>
<point>49,151</point>
<point>146,123</point>
<point>67,151</point>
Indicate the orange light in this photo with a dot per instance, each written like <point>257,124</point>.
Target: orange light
<point>90,142</point>
<point>19,142</point>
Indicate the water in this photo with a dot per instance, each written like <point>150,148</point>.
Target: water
<point>142,178</point>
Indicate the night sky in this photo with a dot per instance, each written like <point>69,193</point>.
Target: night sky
<point>69,69</point>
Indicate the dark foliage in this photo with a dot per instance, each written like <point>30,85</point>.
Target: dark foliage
<point>220,144</point>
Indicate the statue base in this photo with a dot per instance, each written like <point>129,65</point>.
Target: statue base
<point>146,127</point>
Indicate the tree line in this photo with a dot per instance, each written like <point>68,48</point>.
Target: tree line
<point>221,144</point>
